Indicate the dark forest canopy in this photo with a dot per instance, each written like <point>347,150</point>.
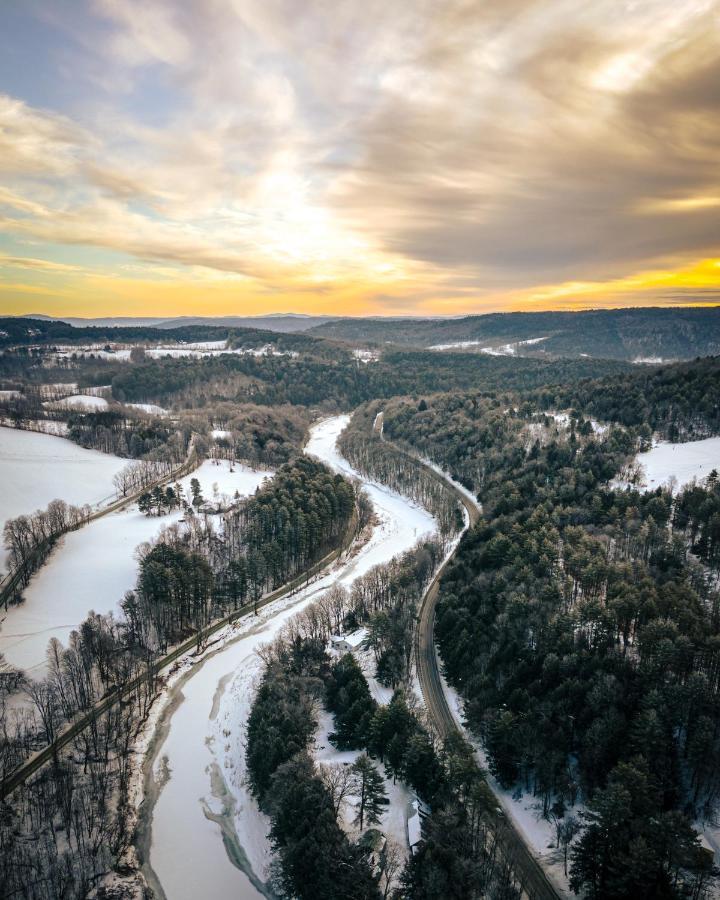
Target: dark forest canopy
<point>343,383</point>
<point>579,628</point>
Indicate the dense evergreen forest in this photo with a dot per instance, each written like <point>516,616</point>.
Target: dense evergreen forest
<point>342,383</point>
<point>579,627</point>
<point>457,859</point>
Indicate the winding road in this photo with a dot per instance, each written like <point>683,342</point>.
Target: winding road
<point>528,871</point>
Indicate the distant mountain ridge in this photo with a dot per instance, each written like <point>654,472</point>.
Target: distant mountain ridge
<point>282,322</point>
<point>657,334</point>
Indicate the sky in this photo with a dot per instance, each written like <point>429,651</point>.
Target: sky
<point>357,157</point>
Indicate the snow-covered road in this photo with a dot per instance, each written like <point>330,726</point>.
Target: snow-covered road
<point>207,836</point>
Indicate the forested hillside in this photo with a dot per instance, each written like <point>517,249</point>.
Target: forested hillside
<point>678,402</point>
<point>582,631</point>
<point>613,334</point>
<point>341,382</point>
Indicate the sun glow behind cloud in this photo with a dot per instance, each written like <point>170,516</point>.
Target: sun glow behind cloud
<point>250,156</point>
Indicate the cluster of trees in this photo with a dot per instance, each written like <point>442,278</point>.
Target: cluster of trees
<point>696,513</point>
<point>214,565</point>
<point>136,476</point>
<point>66,826</point>
<point>458,857</point>
<point>267,436</point>
<point>584,638</point>
<point>678,402</point>
<point>385,600</point>
<point>372,456</point>
<point>29,539</point>
<point>112,431</point>
<point>315,858</point>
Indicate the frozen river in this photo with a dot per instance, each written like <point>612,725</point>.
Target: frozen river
<point>207,837</point>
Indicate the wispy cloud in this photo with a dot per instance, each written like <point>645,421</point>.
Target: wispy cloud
<point>426,156</point>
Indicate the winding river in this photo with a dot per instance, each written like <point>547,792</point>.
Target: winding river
<point>201,833</point>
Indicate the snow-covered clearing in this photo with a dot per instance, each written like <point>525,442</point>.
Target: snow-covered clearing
<point>511,349</point>
<point>10,395</point>
<point>366,356</point>
<point>220,479</point>
<point>502,350</point>
<point>679,463</point>
<point>455,345</point>
<point>152,408</point>
<point>93,568</point>
<point>37,468</point>
<point>393,823</point>
<point>204,749</point>
<point>79,401</point>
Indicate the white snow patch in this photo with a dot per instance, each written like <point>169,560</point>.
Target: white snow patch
<point>37,468</point>
<point>78,401</point>
<point>681,463</point>
<point>149,408</point>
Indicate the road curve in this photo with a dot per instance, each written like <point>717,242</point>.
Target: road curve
<point>528,871</point>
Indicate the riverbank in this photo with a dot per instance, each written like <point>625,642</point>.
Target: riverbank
<point>198,830</point>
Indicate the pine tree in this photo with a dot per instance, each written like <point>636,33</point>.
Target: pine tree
<point>369,785</point>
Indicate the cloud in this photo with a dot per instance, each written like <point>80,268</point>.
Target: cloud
<point>452,153</point>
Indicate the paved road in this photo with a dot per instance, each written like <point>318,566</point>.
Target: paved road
<point>526,867</point>
<point>31,765</point>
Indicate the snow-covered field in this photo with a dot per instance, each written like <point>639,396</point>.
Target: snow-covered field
<point>679,463</point>
<point>149,408</point>
<point>503,350</point>
<point>220,479</point>
<point>79,401</point>
<point>204,748</point>
<point>91,569</point>
<point>37,468</point>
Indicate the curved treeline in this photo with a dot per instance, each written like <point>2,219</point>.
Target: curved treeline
<point>585,640</point>
<point>369,454</point>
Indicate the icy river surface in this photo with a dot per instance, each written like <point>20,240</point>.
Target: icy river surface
<point>207,836</point>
